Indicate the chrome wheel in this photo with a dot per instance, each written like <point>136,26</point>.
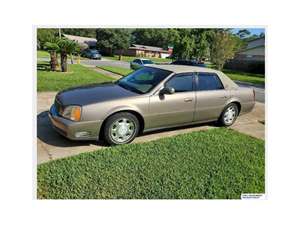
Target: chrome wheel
<point>121,130</point>
<point>230,115</point>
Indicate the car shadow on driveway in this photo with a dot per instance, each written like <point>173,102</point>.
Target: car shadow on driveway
<point>48,135</point>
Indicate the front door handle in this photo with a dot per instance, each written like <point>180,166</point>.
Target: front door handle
<point>223,97</point>
<point>188,99</point>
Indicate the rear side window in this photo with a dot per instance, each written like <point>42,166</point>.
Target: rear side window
<point>182,82</point>
<point>209,81</point>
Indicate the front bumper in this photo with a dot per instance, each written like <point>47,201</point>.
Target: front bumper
<point>83,130</point>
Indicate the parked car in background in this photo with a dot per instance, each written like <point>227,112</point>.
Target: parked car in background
<point>91,54</point>
<point>151,98</point>
<point>188,63</point>
<point>138,63</point>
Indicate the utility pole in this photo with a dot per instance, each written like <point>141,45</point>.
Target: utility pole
<point>59,33</point>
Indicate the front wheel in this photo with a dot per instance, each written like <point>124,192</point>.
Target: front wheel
<point>121,128</point>
<point>229,115</point>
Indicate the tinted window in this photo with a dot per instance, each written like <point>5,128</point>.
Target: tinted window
<point>143,80</point>
<point>181,82</point>
<point>136,61</point>
<point>209,81</point>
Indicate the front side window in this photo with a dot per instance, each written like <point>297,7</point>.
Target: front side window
<point>181,83</point>
<point>143,80</point>
<point>209,81</point>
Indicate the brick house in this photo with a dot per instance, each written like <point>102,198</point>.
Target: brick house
<point>145,51</point>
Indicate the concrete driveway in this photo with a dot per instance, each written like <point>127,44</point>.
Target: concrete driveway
<point>50,145</point>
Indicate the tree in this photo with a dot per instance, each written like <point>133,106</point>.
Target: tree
<point>83,32</point>
<point>243,33</point>
<point>45,35</point>
<point>160,37</point>
<point>202,44</point>
<point>122,41</point>
<point>52,47</point>
<point>223,47</point>
<point>66,47</point>
<point>184,48</point>
<point>109,40</point>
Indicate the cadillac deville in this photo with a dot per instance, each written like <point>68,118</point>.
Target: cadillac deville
<point>151,98</point>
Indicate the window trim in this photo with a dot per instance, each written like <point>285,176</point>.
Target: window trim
<point>197,74</point>
<point>178,74</point>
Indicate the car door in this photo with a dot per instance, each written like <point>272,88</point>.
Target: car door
<point>177,108</point>
<point>211,96</point>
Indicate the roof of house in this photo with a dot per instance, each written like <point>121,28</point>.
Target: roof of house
<point>147,48</point>
<point>227,82</point>
<point>82,40</point>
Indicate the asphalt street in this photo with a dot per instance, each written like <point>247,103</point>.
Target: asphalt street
<point>106,62</point>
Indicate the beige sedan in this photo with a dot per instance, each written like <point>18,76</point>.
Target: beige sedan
<point>151,98</point>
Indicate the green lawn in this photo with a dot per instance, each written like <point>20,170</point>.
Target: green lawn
<point>246,77</point>
<point>215,164</point>
<point>242,76</point>
<point>117,70</point>
<point>57,81</point>
<point>43,54</point>
<point>131,58</point>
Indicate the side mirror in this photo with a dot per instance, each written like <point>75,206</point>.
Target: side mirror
<point>167,91</point>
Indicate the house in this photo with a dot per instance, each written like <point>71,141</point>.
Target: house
<point>255,51</point>
<point>250,59</point>
<point>145,51</point>
<point>85,42</point>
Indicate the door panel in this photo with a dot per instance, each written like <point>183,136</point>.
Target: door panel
<point>173,109</point>
<point>210,104</point>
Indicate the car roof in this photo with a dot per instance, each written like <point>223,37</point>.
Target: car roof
<point>227,82</point>
<point>183,68</point>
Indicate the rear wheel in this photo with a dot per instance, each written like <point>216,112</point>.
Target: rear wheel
<point>121,128</point>
<point>229,115</point>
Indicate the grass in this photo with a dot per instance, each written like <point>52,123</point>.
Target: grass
<point>242,76</point>
<point>239,76</point>
<point>131,58</point>
<point>42,54</point>
<point>57,81</point>
<point>117,70</point>
<point>214,164</point>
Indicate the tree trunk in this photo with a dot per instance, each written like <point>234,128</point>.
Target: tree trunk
<point>120,54</point>
<point>53,60</point>
<point>63,59</point>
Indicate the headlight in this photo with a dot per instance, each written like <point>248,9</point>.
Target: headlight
<point>72,112</point>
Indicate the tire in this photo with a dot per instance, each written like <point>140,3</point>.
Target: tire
<point>229,115</point>
<point>121,128</point>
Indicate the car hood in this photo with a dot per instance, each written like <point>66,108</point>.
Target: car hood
<point>93,93</point>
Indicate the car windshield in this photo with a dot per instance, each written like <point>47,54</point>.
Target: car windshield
<point>143,80</point>
<point>94,51</point>
<point>147,61</point>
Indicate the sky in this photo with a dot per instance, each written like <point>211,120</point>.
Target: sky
<point>252,30</point>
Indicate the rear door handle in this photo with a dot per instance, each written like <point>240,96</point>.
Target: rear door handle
<point>223,97</point>
<point>188,99</point>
